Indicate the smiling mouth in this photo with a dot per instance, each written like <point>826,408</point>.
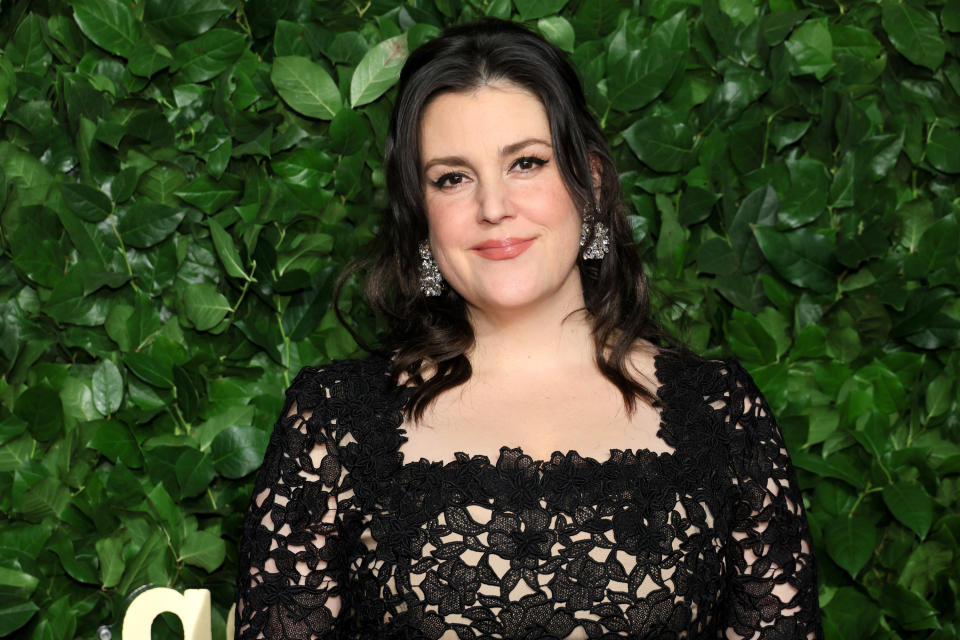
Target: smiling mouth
<point>502,248</point>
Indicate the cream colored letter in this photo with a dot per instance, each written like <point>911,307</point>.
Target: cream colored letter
<point>192,607</point>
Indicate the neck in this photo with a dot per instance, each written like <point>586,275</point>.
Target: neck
<point>554,332</point>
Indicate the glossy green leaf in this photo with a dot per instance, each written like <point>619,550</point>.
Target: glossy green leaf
<point>148,58</point>
<point>90,204</point>
<point>923,564</point>
<point>531,9</point>
<point>950,16</point>
<point>115,440</point>
<point>811,48</point>
<point>558,31</point>
<point>79,565</point>
<point>842,186</point>
<point>109,551</point>
<point>149,369</point>
<point>144,224</point>
<point>777,25</point>
<point>915,33</point>
<point>111,24</point>
<point>347,47</point>
<point>184,18</point>
<point>27,49</point>
<point>49,498</point>
<point>227,250</point>
<point>205,306</point>
<point>210,195</point>
<point>188,390</point>
<point>937,248</point>
<point>850,542</point>
<point>908,608</point>
<point>203,549</point>
<point>942,148</point>
<point>823,423</point>
<point>348,131</point>
<point>806,199</point>
<point>716,256</point>
<point>160,183</point>
<point>911,505</point>
<point>640,67</point>
<point>237,451</point>
<point>803,256</point>
<point>939,395</point>
<point>876,156</point>
<point>749,340</point>
<point>40,407</point>
<point>17,583</point>
<point>378,71</point>
<point>851,614</point>
<point>107,387</point>
<point>786,133</point>
<point>306,87</point>
<point>16,453</point>
<point>194,472</point>
<point>8,83</point>
<point>659,143</point>
<point>233,415</point>
<point>696,205</point>
<point>132,326</point>
<point>209,55</point>
<point>860,56</point>
<point>14,615</point>
<point>740,11</point>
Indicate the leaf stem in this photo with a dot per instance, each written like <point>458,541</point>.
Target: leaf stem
<point>179,418</point>
<point>243,292</point>
<point>286,351</point>
<point>242,20</point>
<point>870,489</point>
<point>123,251</point>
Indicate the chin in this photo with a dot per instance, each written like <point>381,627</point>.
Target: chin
<point>513,297</point>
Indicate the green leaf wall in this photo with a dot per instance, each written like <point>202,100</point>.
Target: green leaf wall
<point>181,181</point>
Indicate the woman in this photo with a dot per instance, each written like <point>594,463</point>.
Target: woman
<point>526,462</point>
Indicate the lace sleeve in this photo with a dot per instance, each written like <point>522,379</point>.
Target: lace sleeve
<point>772,592</point>
<point>287,582</point>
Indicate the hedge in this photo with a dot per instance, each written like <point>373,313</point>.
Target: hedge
<point>181,181</point>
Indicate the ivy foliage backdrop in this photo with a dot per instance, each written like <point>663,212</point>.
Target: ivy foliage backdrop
<point>182,180</point>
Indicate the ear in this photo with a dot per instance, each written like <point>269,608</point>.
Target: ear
<point>596,173</point>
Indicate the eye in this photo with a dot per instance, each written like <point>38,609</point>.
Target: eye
<point>447,180</point>
<point>528,163</point>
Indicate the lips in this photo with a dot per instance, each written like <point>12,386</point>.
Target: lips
<point>502,248</point>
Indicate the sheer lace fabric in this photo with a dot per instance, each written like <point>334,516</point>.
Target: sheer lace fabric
<point>345,540</point>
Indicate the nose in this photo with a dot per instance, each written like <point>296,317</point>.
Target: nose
<point>494,204</point>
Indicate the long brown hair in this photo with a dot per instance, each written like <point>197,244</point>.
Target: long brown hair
<point>435,330</point>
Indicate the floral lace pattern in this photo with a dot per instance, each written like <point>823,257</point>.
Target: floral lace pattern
<point>345,540</point>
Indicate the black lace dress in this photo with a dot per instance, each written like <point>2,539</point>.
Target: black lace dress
<point>344,539</point>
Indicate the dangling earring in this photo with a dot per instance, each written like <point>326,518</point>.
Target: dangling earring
<point>431,282</point>
<point>599,246</point>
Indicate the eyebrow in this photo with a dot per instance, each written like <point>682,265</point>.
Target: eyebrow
<point>508,150</point>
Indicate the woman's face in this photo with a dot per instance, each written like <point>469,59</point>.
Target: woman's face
<point>503,227</point>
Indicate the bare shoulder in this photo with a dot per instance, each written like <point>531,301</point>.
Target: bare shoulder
<point>642,363</point>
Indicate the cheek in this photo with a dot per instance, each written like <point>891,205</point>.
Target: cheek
<point>554,211</point>
<point>447,232</point>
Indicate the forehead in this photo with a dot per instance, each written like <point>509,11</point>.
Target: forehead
<point>483,119</point>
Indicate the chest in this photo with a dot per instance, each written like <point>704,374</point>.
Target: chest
<point>583,547</point>
<point>538,416</point>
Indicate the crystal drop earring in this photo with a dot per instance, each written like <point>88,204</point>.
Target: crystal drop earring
<point>431,282</point>
<point>599,245</point>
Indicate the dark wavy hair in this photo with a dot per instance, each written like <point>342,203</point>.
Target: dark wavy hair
<point>434,332</point>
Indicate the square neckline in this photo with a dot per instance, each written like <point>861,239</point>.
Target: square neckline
<point>557,456</point>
